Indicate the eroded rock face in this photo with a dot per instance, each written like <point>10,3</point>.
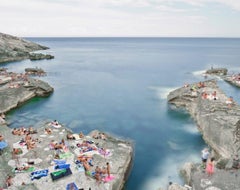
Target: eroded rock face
<point>13,97</point>
<point>13,48</point>
<point>218,122</point>
<point>217,71</point>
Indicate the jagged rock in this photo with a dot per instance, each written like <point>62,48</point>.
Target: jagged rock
<point>186,172</point>
<point>35,71</point>
<point>13,97</point>
<point>39,56</point>
<point>13,48</point>
<point>176,187</point>
<point>217,71</point>
<point>220,126</point>
<point>218,123</point>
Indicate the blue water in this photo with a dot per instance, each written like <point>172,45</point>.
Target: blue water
<point>119,85</point>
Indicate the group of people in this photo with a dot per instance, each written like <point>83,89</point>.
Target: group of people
<point>23,131</point>
<point>208,162</point>
<point>209,96</point>
<point>101,173</point>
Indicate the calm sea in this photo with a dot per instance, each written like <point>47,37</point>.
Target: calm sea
<point>120,85</point>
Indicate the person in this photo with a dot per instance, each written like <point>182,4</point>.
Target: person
<point>214,95</point>
<point>81,135</point>
<point>9,181</point>
<point>97,173</point>
<point>205,155</point>
<point>108,169</point>
<point>48,131</point>
<point>1,137</point>
<point>86,167</point>
<point>70,137</point>
<point>236,162</point>
<point>229,101</point>
<point>210,167</point>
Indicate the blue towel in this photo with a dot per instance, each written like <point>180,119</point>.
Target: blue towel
<point>62,166</point>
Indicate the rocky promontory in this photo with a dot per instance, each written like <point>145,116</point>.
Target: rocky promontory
<point>17,88</point>
<point>218,119</point>
<point>14,49</point>
<point>96,148</point>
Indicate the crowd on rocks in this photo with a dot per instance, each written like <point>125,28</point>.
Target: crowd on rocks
<point>81,145</point>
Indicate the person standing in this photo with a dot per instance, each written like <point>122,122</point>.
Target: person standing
<point>210,167</point>
<point>108,169</point>
<point>205,155</point>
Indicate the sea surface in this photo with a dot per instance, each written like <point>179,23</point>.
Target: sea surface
<point>120,85</point>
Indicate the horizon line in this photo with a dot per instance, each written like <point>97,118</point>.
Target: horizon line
<point>130,37</point>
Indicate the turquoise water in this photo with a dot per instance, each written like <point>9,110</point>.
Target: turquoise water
<point>120,85</point>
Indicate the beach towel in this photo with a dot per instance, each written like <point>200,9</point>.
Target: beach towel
<point>62,166</point>
<point>65,155</point>
<point>108,179</point>
<point>30,169</point>
<point>71,186</point>
<point>59,161</point>
<point>61,173</point>
<point>38,174</point>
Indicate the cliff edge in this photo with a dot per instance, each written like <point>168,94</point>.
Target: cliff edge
<point>218,119</point>
<point>14,49</point>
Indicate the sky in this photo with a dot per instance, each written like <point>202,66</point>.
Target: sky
<point>110,18</point>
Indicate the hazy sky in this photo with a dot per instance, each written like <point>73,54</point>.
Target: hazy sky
<point>218,18</point>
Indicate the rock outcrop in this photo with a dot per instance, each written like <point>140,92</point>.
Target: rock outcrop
<point>218,119</point>
<point>35,71</point>
<point>218,122</point>
<point>118,153</point>
<point>217,71</point>
<point>40,56</point>
<point>14,49</point>
<point>16,92</point>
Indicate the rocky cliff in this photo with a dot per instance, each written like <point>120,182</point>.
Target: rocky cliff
<point>13,48</point>
<point>218,122</point>
<point>218,119</point>
<point>13,94</point>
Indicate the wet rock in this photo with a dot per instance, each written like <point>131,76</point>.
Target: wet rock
<point>40,56</point>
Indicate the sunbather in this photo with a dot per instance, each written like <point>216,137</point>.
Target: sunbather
<point>1,137</point>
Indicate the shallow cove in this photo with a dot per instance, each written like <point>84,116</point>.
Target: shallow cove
<point>119,85</point>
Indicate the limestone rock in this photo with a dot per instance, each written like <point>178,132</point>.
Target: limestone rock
<point>13,97</point>
<point>40,56</point>
<point>217,71</point>
<point>218,123</point>
<point>119,157</point>
<point>13,48</point>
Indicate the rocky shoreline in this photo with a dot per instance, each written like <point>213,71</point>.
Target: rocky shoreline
<point>15,49</point>
<point>51,144</point>
<point>118,154</point>
<point>218,121</point>
<point>16,89</point>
